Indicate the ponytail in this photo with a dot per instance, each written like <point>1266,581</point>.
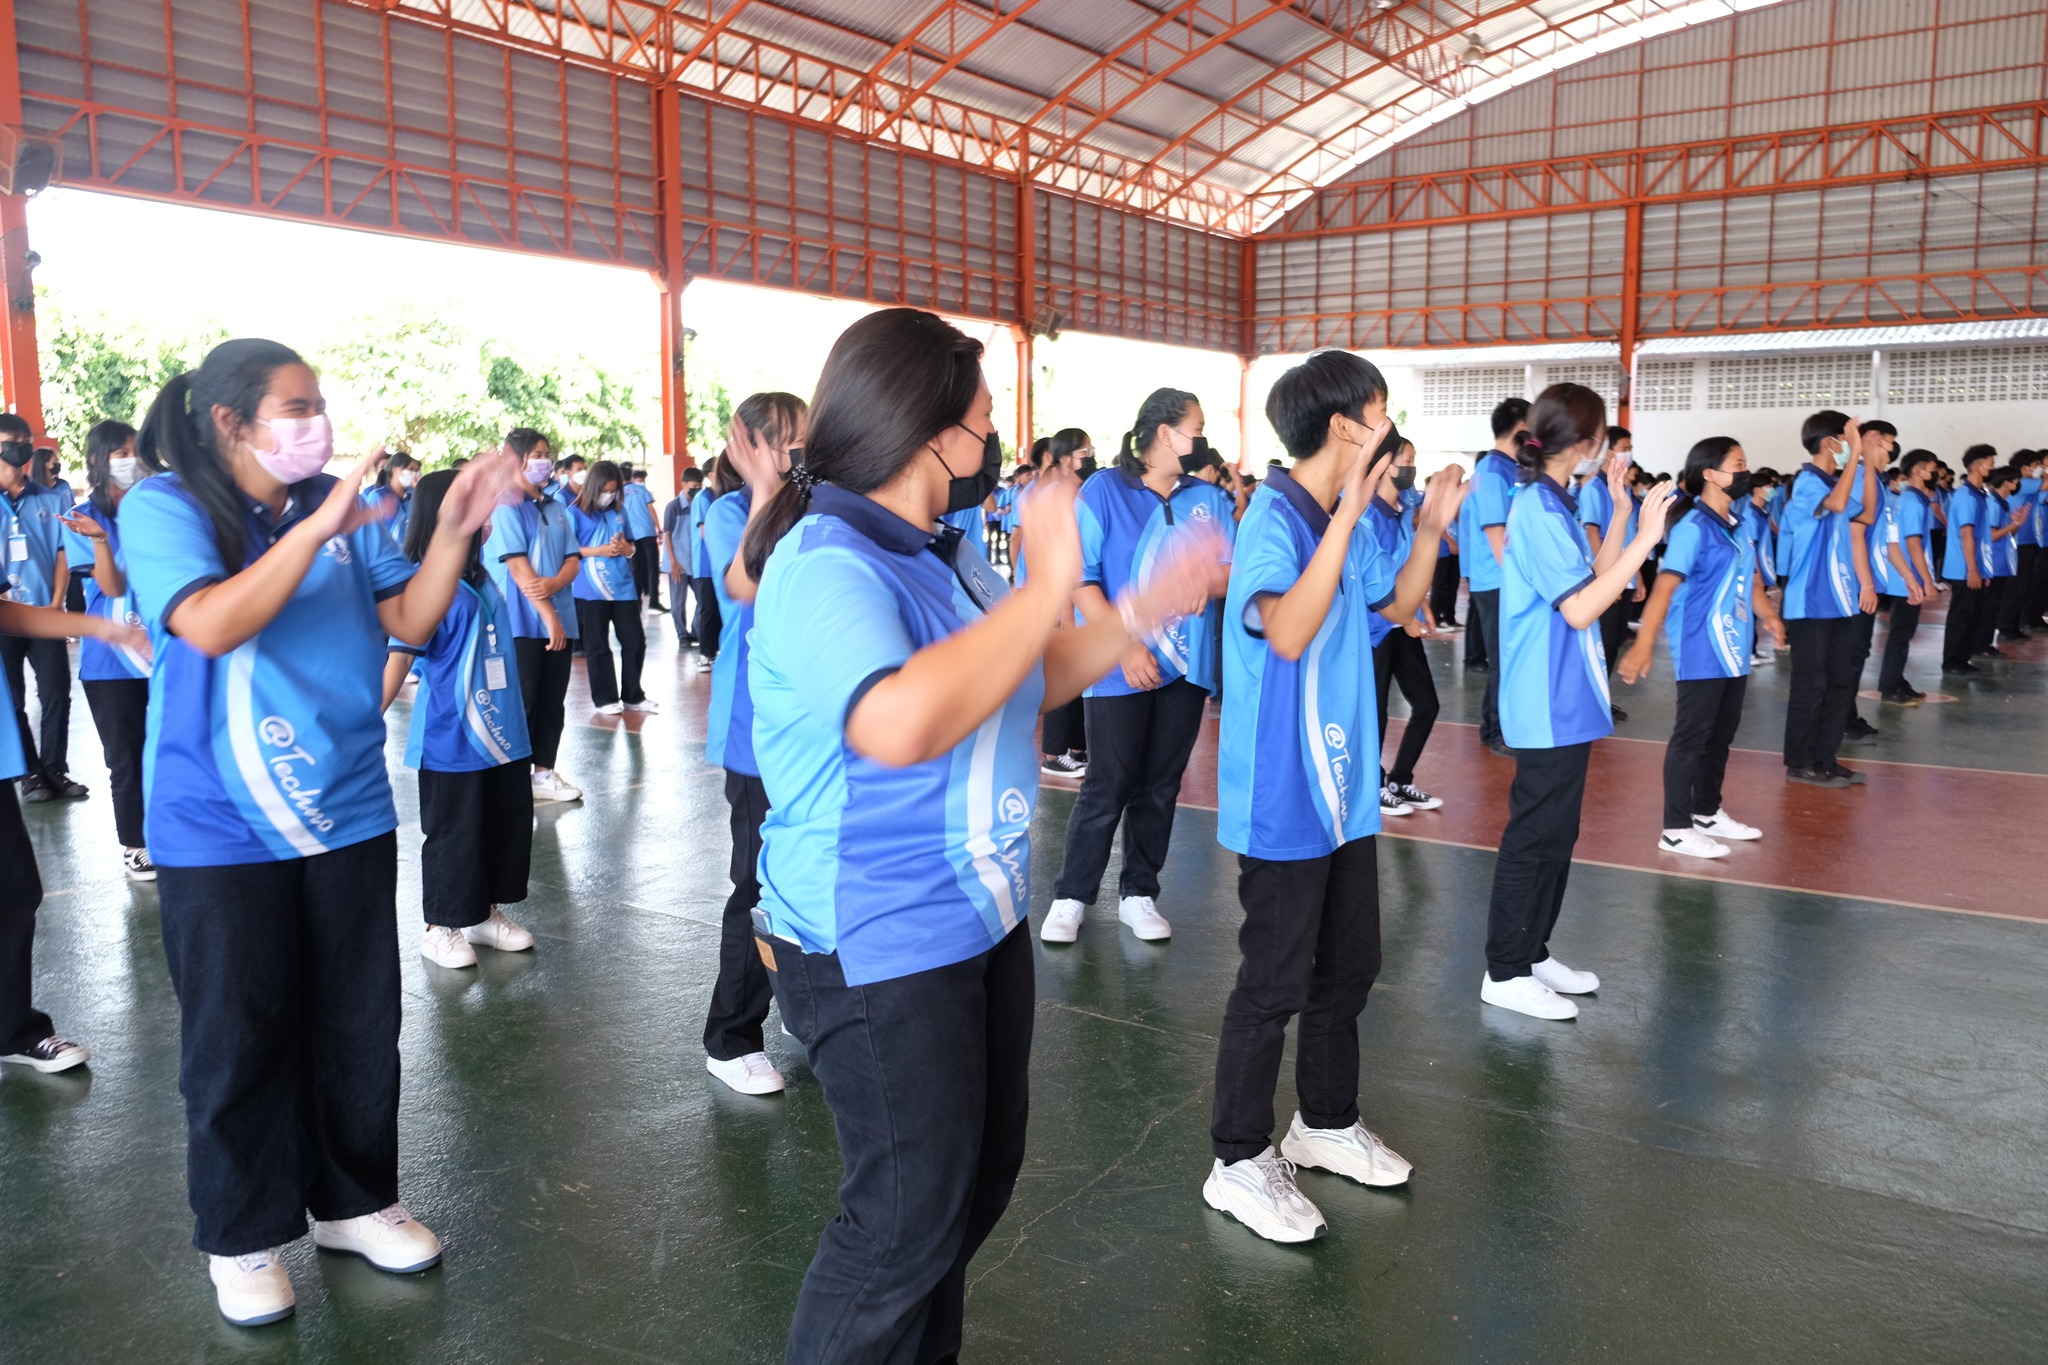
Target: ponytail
<point>1562,417</point>
<point>1162,407</point>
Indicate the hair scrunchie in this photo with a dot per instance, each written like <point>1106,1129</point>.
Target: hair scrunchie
<point>801,475</point>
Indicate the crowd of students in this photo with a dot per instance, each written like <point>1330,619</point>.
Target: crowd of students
<point>901,643</point>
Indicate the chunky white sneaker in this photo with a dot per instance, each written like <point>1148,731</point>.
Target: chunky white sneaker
<point>1062,922</point>
<point>1564,980</point>
<point>135,862</point>
<point>1260,1193</point>
<point>500,933</point>
<point>1143,916</point>
<point>1355,1152</point>
<point>1526,995</point>
<point>1691,843</point>
<point>389,1239</point>
<point>550,785</point>
<point>253,1289</point>
<point>612,708</point>
<point>1722,825</point>
<point>642,707</point>
<point>752,1074</point>
<point>445,947</point>
<point>51,1054</point>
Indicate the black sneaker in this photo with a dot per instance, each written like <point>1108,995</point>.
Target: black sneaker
<point>1815,777</point>
<point>1962,670</point>
<point>1988,652</point>
<point>1499,749</point>
<point>1848,777</point>
<point>1063,765</point>
<point>1471,667</point>
<point>51,1054</point>
<point>1901,696</point>
<point>1619,714</point>
<point>1915,693</point>
<point>68,789</point>
<point>34,789</point>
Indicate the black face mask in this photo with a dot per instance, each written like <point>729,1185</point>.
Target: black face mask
<point>1087,467</point>
<point>1404,479</point>
<point>1198,459</point>
<point>973,490</point>
<point>17,453</point>
<point>1738,486</point>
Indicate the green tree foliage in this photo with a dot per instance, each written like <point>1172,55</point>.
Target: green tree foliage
<point>95,369</point>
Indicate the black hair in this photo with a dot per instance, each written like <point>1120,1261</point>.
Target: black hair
<point>1508,414</point>
<point>1162,407</point>
<point>893,381</point>
<point>427,497</point>
<point>1976,453</point>
<point>1038,449</point>
<point>1704,455</point>
<point>693,475</point>
<point>1881,427</point>
<point>523,441</point>
<point>393,462</point>
<point>1065,442</point>
<point>566,461</point>
<point>179,433</point>
<point>774,416</point>
<point>1914,459</point>
<point>724,476</point>
<point>1616,435</point>
<point>1324,385</point>
<point>39,466</point>
<point>601,473</point>
<point>100,444</point>
<point>2004,474</point>
<point>14,427</point>
<point>1562,416</point>
<point>1766,476</point>
<point>1823,424</point>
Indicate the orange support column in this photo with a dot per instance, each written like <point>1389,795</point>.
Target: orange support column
<point>20,366</point>
<point>1631,307</point>
<point>675,398</point>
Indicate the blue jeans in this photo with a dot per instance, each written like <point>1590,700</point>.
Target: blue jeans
<point>927,1077</point>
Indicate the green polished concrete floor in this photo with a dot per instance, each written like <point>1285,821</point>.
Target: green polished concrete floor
<point>1790,1127</point>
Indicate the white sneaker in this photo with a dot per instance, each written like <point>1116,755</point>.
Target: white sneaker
<point>1354,1152</point>
<point>51,1054</point>
<point>1260,1193</point>
<point>135,862</point>
<point>1722,825</point>
<point>1564,980</point>
<point>1417,797</point>
<point>500,933</point>
<point>389,1239</point>
<point>703,664</point>
<point>612,708</point>
<point>1391,802</point>
<point>1143,916</point>
<point>549,785</point>
<point>253,1289</point>
<point>1691,843</point>
<point>1526,995</point>
<point>643,707</point>
<point>752,1074</point>
<point>445,947</point>
<point>1062,922</point>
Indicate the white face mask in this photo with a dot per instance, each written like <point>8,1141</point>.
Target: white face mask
<point>1585,467</point>
<point>576,477</point>
<point>123,470</point>
<point>605,499</point>
<point>404,479</point>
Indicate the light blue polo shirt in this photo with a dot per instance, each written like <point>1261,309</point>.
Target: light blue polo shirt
<point>99,661</point>
<point>967,521</point>
<point>1298,765</point>
<point>13,762</point>
<point>603,578</point>
<point>1711,625</point>
<point>898,870</point>
<point>2029,498</point>
<point>275,750</point>
<point>2038,524</point>
<point>700,554</point>
<point>1395,532</point>
<point>467,715</point>
<point>1757,521</point>
<point>637,502</point>
<point>1815,553</point>
<point>675,521</point>
<point>1912,518</point>
<point>394,507</point>
<point>2005,554</point>
<point>1553,679</point>
<point>1124,528</point>
<point>1494,477</point>
<point>729,729</point>
<point>538,530</point>
<point>1968,506</point>
<point>32,537</point>
<point>1596,508</point>
<point>1882,536</point>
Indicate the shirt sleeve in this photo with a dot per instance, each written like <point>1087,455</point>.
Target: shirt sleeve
<point>1552,553</point>
<point>1596,506</point>
<point>389,569</point>
<point>1370,566</point>
<point>78,551</point>
<point>1808,493</point>
<point>168,542</point>
<point>831,594</point>
<point>1683,550</point>
<point>508,534</point>
<point>1092,536</point>
<point>1912,518</point>
<point>1492,493</point>
<point>1267,564</point>
<point>725,526</point>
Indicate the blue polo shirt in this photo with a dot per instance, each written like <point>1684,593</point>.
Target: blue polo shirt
<point>395,508</point>
<point>99,661</point>
<point>1757,521</point>
<point>538,530</point>
<point>637,501</point>
<point>1553,679</point>
<point>275,750</point>
<point>1395,532</point>
<point>729,729</point>
<point>1494,477</point>
<point>967,521</point>
<point>1968,506</point>
<point>700,555</point>
<point>2005,554</point>
<point>1912,518</point>
<point>1596,508</point>
<point>1815,553</point>
<point>467,714</point>
<point>1711,626</point>
<point>1124,528</point>
<point>1298,766</point>
<point>675,524</point>
<point>2038,523</point>
<point>2029,499</point>
<point>898,870</point>
<point>33,537</point>
<point>603,578</point>
<point>1882,536</point>
<point>13,762</point>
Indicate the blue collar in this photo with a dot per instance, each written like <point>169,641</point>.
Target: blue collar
<point>871,519</point>
<point>1563,494</point>
<point>1379,505</point>
<point>1136,483</point>
<point>1811,468</point>
<point>1300,499</point>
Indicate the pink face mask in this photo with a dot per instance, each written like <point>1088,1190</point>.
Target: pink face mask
<point>304,446</point>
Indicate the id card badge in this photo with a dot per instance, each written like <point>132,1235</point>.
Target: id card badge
<point>494,673</point>
<point>17,548</point>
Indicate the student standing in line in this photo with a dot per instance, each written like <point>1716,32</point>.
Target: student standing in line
<point>1482,537</point>
<point>709,627</point>
<point>1905,580</point>
<point>391,496</point>
<point>1711,600</point>
<point>637,501</point>
<point>676,528</point>
<point>1443,588</point>
<point>2002,484</point>
<point>1966,561</point>
<point>1295,774</point>
<point>896,691</point>
<point>1397,653</point>
<point>1596,512</point>
<point>270,595</point>
<point>533,558</point>
<point>2034,589</point>
<point>1554,690</point>
<point>1144,717</point>
<point>467,742</point>
<point>1880,442</point>
<point>1755,509</point>
<point>1825,587</point>
<point>605,600</point>
<point>37,575</point>
<point>115,677</point>
<point>766,434</point>
<point>1939,491</point>
<point>1063,733</point>
<point>2026,494</point>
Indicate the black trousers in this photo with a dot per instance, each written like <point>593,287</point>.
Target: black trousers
<point>1996,590</point>
<point>1866,632</point>
<point>22,1025</point>
<point>1400,658</point>
<point>1614,630</point>
<point>928,1080</point>
<point>543,687</point>
<point>2036,594</point>
<point>647,570</point>
<point>599,620</point>
<point>1826,666</point>
<point>1484,619</point>
<point>1138,747</point>
<point>1064,730</point>
<point>1965,614</point>
<point>1535,858</point>
<point>709,618</point>
<point>2019,593</point>
<point>120,712</point>
<point>287,983</point>
<point>479,842</point>
<point>742,994</point>
<point>1443,591</point>
<point>1309,946</point>
<point>51,660</point>
<point>1898,639</point>
<point>1696,759</point>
